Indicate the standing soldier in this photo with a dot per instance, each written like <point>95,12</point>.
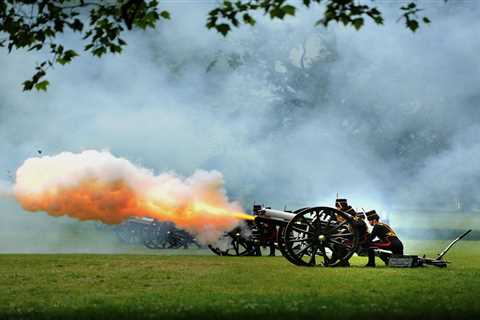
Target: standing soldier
<point>387,239</point>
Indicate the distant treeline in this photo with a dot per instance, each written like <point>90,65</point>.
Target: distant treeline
<point>435,234</point>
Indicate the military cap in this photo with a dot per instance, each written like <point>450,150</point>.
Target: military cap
<point>341,202</point>
<point>360,215</point>
<point>372,215</point>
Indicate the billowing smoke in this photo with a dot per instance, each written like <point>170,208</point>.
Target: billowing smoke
<point>94,185</point>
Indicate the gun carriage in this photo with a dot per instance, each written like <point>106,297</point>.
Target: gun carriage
<point>154,234</point>
<point>306,237</point>
<point>313,236</point>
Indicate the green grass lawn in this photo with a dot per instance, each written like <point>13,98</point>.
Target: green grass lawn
<point>187,287</point>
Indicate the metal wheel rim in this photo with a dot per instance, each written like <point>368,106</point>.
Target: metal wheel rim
<point>320,236</point>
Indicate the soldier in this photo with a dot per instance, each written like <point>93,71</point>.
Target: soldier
<point>342,205</point>
<point>358,218</point>
<point>387,239</point>
<point>361,226</point>
<point>270,235</point>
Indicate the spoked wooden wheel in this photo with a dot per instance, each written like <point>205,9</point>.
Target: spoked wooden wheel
<point>320,235</point>
<point>179,238</point>
<point>130,232</point>
<point>232,244</point>
<point>281,240</point>
<point>158,235</point>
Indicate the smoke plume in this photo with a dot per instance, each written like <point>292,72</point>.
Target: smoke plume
<point>94,185</point>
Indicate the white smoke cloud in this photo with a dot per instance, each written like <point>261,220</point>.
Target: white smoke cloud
<point>94,185</point>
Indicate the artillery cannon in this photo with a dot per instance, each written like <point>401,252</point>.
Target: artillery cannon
<point>305,237</point>
<point>315,236</point>
<point>237,242</point>
<point>154,234</point>
<point>248,238</point>
<point>133,230</point>
<point>164,235</point>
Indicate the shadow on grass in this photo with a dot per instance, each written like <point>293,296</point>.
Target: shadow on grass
<point>110,313</point>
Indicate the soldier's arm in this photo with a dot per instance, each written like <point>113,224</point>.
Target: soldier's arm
<point>374,233</point>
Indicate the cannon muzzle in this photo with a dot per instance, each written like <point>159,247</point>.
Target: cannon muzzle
<point>267,214</point>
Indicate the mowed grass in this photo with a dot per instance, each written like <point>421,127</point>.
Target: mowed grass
<point>200,287</point>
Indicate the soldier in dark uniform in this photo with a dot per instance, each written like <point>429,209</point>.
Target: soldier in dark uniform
<point>358,218</point>
<point>361,226</point>
<point>387,239</point>
<point>342,205</point>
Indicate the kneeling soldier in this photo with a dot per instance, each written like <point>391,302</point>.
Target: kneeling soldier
<point>387,239</point>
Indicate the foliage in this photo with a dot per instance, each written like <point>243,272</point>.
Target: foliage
<point>348,12</point>
<point>38,25</point>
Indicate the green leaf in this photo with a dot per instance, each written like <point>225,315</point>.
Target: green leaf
<point>357,23</point>
<point>248,19</point>
<point>288,9</point>
<point>378,19</point>
<point>426,20</point>
<point>76,25</point>
<point>412,25</point>
<point>165,15</point>
<point>98,52</point>
<point>42,85</point>
<point>277,13</point>
<point>66,57</point>
<point>223,28</point>
<point>27,85</point>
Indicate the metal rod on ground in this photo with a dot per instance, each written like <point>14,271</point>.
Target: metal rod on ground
<point>452,243</point>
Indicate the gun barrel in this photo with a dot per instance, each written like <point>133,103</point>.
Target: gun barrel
<point>272,214</point>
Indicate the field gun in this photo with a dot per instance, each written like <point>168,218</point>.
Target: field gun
<point>306,237</point>
<point>262,230</point>
<point>154,234</point>
<point>312,236</point>
<point>133,230</point>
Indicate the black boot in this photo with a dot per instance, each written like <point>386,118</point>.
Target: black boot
<point>344,263</point>
<point>371,259</point>
<point>385,258</point>
<point>272,250</point>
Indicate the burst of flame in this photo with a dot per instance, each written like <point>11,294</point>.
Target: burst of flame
<point>96,185</point>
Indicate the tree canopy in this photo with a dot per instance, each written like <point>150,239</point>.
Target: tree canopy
<point>38,25</point>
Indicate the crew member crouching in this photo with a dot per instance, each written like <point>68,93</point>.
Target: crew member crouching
<point>387,239</point>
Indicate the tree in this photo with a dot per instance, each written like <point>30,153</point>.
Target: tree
<point>38,25</point>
